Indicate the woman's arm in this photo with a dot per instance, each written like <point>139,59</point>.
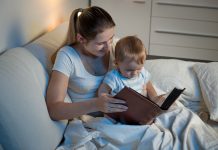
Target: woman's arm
<point>60,110</point>
<point>56,93</point>
<point>104,88</point>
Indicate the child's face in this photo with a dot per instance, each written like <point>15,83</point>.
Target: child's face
<point>129,68</point>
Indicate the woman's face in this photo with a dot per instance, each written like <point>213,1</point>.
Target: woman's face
<point>101,44</point>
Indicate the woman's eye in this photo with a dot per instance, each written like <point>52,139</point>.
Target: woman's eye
<point>100,44</point>
<point>108,42</point>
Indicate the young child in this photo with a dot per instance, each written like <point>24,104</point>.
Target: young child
<point>130,56</point>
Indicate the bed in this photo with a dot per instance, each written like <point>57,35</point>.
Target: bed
<point>192,123</point>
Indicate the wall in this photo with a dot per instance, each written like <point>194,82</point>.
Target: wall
<point>169,28</point>
<point>23,20</point>
<point>132,17</point>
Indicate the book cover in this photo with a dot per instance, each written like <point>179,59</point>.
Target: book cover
<point>142,110</point>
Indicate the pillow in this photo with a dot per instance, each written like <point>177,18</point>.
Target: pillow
<point>24,118</point>
<point>169,73</point>
<point>208,78</point>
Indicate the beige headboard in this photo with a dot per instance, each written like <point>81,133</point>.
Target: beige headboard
<point>21,21</point>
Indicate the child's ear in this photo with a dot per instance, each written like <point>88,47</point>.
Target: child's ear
<point>80,38</point>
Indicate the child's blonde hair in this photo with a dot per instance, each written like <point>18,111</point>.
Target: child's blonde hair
<point>130,47</point>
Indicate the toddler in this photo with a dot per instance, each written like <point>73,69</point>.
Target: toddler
<point>130,56</point>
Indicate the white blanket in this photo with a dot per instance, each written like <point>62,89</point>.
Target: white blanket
<point>179,128</point>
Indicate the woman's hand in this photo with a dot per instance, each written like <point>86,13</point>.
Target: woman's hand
<point>107,104</point>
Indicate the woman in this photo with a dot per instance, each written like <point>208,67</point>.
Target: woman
<point>80,67</point>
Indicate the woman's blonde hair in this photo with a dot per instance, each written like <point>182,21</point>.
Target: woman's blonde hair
<point>87,22</point>
<point>130,47</point>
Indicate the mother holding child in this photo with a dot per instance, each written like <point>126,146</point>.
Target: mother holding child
<point>81,65</point>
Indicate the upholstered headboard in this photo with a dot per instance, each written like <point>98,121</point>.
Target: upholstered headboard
<point>149,57</point>
<point>21,21</point>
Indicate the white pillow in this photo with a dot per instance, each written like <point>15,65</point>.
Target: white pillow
<point>208,78</point>
<point>24,118</point>
<point>169,73</point>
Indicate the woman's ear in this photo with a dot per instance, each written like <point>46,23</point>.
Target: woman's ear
<point>80,38</point>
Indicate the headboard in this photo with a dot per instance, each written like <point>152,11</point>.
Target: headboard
<point>149,57</point>
<point>21,21</point>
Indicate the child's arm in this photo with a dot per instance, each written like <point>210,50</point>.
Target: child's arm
<point>152,94</point>
<point>104,88</point>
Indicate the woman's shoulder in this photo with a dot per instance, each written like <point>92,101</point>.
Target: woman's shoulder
<point>68,51</point>
<point>68,55</point>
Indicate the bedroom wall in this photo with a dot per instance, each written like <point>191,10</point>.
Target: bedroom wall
<point>169,28</point>
<point>21,21</point>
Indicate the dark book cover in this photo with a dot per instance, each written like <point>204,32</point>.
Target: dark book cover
<point>142,110</point>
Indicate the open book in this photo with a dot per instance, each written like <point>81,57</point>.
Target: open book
<point>142,110</point>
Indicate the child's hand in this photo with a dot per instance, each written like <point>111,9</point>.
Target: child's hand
<point>107,104</point>
<point>159,99</point>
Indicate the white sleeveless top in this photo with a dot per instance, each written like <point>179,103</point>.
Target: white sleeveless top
<point>82,85</point>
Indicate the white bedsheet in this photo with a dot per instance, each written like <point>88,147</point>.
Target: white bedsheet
<point>179,128</point>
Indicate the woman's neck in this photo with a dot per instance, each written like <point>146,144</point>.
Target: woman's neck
<point>82,51</point>
<point>93,64</point>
